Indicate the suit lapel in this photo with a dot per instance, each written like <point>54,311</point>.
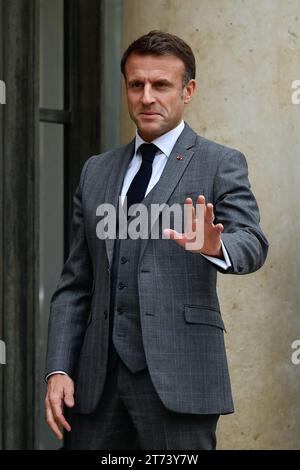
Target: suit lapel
<point>120,163</point>
<point>177,163</point>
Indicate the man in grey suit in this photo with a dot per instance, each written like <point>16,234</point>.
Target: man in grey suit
<point>136,349</point>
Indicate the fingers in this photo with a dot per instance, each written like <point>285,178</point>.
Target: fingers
<point>209,215</point>
<point>69,399</point>
<point>173,235</point>
<point>191,221</point>
<point>201,199</point>
<point>189,216</point>
<point>219,227</point>
<point>60,388</point>
<point>58,415</point>
<point>51,421</point>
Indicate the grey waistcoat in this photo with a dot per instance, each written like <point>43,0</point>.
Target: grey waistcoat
<point>125,325</point>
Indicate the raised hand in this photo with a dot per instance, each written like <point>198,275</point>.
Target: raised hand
<point>211,233</point>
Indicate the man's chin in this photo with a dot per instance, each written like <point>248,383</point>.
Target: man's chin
<point>151,130</point>
<point>150,134</point>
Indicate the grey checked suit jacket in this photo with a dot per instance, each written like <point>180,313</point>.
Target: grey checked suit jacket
<point>180,315</point>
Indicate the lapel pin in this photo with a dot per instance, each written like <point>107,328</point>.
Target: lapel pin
<point>179,157</point>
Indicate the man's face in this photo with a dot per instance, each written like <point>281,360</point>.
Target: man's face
<point>155,93</point>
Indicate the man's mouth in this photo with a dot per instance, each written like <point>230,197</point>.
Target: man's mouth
<point>149,113</point>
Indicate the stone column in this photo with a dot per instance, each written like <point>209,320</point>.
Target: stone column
<point>19,220</point>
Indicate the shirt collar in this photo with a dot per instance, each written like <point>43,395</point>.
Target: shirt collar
<point>165,142</point>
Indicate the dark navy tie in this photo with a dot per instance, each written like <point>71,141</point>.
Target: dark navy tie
<point>139,184</point>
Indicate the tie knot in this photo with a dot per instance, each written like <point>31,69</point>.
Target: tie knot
<point>148,152</point>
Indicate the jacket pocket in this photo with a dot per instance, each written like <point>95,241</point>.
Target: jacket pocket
<point>203,315</point>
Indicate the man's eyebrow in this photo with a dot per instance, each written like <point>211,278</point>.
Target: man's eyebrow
<point>135,80</point>
<point>162,80</point>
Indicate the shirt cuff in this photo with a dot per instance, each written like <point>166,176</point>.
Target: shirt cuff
<point>222,263</point>
<point>55,372</point>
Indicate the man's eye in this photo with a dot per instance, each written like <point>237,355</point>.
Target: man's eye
<point>135,85</point>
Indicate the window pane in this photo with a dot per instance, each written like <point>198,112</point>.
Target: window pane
<point>51,54</point>
<point>51,242</point>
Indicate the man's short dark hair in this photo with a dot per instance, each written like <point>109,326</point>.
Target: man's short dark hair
<point>161,43</point>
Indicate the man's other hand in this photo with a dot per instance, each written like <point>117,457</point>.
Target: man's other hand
<point>60,389</point>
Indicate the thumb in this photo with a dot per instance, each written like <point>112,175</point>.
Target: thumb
<point>220,227</point>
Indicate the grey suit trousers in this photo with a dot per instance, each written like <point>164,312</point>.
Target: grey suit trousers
<point>131,416</point>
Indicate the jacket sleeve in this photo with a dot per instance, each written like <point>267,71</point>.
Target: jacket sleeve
<point>70,303</point>
<point>236,208</point>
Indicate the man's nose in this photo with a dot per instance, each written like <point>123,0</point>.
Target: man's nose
<point>148,96</point>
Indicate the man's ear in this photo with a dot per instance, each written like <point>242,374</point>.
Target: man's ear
<point>189,90</point>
